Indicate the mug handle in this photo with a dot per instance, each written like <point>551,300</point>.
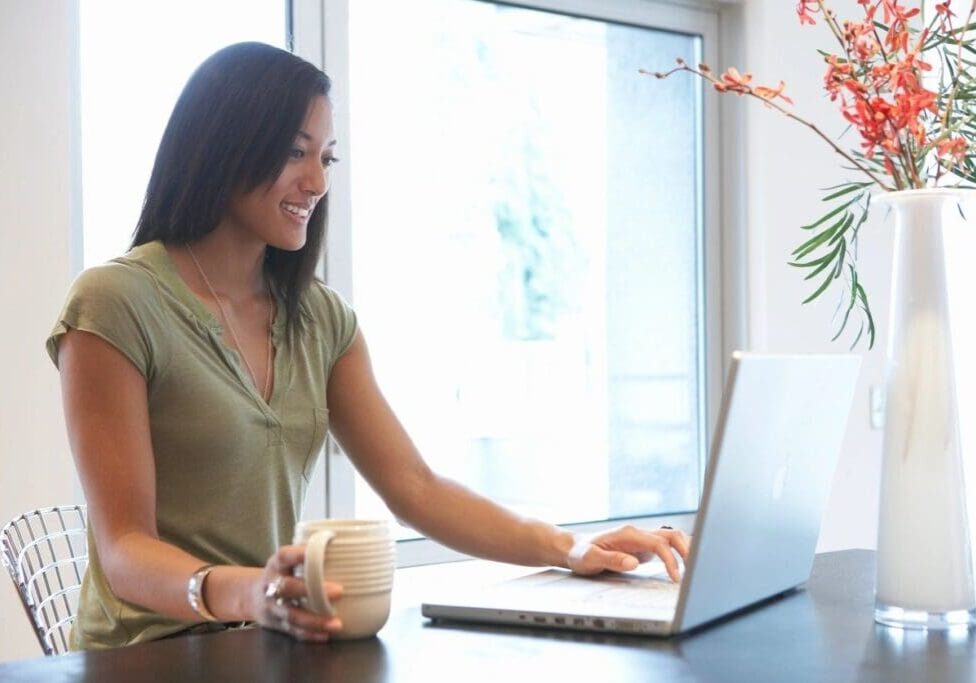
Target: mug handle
<point>315,572</point>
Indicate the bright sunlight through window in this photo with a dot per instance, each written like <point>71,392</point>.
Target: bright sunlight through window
<point>135,59</point>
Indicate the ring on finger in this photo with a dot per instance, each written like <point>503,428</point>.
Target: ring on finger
<point>273,591</point>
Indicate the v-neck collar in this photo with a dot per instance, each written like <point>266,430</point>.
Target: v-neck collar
<point>155,255</point>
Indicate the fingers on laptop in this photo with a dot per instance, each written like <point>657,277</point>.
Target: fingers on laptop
<point>664,543</point>
<point>674,541</point>
<point>670,563</point>
<point>600,559</point>
<point>631,542</point>
<point>678,539</point>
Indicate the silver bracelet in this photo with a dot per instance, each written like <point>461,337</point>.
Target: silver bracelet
<point>194,592</point>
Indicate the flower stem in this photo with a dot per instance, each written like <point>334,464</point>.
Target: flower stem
<point>746,90</point>
<point>959,65</point>
<point>835,29</point>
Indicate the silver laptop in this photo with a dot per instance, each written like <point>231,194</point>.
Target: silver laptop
<point>774,452</point>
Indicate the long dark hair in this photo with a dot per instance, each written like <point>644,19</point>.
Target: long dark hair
<point>230,131</point>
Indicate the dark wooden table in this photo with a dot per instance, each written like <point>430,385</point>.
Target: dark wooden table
<point>823,633</point>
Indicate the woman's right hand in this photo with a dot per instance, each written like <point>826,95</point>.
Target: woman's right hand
<point>277,599</point>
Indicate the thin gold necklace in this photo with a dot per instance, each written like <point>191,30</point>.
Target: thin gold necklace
<point>233,333</point>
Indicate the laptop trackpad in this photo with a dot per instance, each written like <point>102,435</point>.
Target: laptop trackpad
<point>643,593</point>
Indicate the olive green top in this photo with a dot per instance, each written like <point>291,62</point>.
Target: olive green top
<point>231,470</point>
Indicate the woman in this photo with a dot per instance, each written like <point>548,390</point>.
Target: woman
<point>202,370</point>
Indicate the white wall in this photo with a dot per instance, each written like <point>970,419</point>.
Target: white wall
<point>782,167</point>
<point>785,166</point>
<point>39,211</point>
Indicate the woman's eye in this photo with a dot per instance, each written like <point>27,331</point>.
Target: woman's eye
<point>329,161</point>
<point>296,153</point>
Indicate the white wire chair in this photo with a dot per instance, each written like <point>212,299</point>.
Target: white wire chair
<point>46,554</point>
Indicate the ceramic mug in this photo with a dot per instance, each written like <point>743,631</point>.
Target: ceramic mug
<point>358,554</point>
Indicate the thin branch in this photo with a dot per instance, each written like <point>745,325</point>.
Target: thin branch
<point>746,90</point>
<point>959,67</point>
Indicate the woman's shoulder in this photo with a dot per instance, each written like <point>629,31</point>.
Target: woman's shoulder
<point>322,296</point>
<point>129,275</point>
<point>116,301</point>
<point>330,315</point>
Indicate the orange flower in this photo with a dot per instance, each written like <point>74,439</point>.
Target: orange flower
<point>943,9</point>
<point>955,148</point>
<point>897,17</point>
<point>839,74</point>
<point>772,93</point>
<point>878,81</point>
<point>860,36</point>
<point>894,12</point>
<point>733,77</point>
<point>733,81</point>
<point>804,8</point>
<point>945,15</point>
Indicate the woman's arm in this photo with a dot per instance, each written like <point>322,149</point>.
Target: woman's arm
<point>369,432</point>
<point>107,415</point>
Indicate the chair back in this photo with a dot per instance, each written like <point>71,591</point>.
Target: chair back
<point>46,554</point>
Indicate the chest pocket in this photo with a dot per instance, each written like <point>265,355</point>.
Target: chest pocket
<point>320,419</point>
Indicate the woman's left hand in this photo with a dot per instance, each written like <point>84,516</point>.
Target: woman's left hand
<point>624,548</point>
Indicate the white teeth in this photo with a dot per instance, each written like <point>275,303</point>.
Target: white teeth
<point>299,211</point>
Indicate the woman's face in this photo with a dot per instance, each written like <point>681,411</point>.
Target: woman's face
<point>277,212</point>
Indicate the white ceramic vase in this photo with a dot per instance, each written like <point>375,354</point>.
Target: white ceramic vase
<point>925,575</point>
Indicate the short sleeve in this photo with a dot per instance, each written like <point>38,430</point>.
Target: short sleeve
<point>112,301</point>
<point>335,318</point>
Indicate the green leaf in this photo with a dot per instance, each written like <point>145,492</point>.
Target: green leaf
<point>852,187</point>
<point>965,28</point>
<point>826,261</point>
<point>867,311</point>
<point>817,239</point>
<point>825,55</point>
<point>840,233</point>
<point>810,264</point>
<point>850,304</point>
<point>840,240</point>
<point>826,217</point>
<point>820,289</point>
<point>842,245</point>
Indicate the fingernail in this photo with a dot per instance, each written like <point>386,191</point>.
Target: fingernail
<point>334,622</point>
<point>630,563</point>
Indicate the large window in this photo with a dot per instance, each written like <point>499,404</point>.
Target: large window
<point>135,59</point>
<point>521,220</point>
<point>526,241</point>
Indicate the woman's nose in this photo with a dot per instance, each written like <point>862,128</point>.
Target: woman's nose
<point>315,180</point>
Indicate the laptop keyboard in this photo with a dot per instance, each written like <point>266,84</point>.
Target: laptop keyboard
<point>641,589</point>
<point>649,594</point>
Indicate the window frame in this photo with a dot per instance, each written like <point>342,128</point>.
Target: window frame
<point>320,35</point>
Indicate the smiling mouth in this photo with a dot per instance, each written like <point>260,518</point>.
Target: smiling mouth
<point>295,210</point>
